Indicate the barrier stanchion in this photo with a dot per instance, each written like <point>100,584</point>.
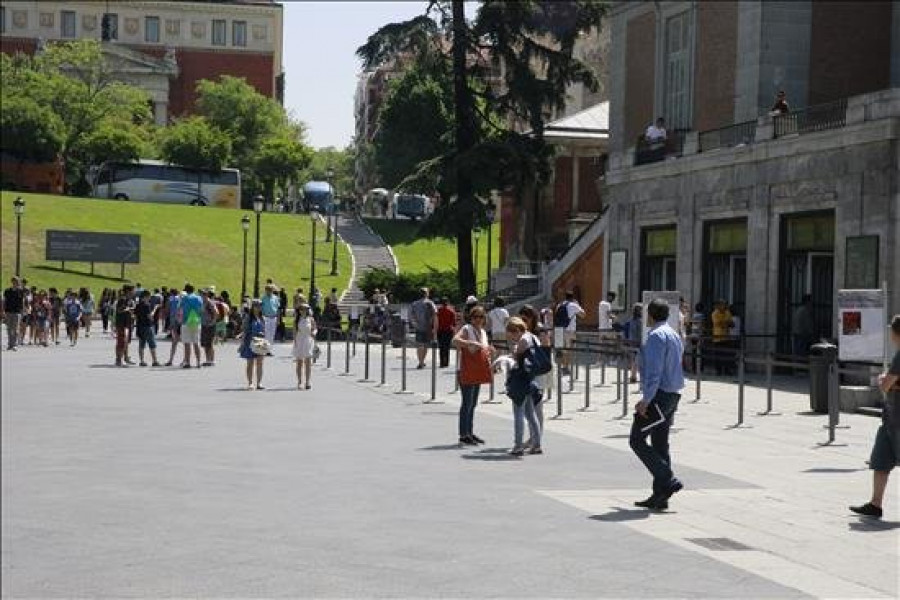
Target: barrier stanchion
<point>347,355</point>
<point>355,336</point>
<point>587,387</point>
<point>769,369</point>
<point>559,392</point>
<point>619,367</point>
<point>403,389</point>
<point>383,358</point>
<point>365,378</point>
<point>434,348</point>
<point>625,358</point>
<point>328,351</point>
<point>833,402</point>
<point>698,359</point>
<point>742,380</point>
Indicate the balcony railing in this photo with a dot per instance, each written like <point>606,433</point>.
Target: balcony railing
<point>646,152</point>
<point>727,137</point>
<point>820,117</point>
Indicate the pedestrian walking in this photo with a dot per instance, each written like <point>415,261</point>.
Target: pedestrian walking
<point>530,316</point>
<point>74,311</point>
<point>304,343</point>
<point>565,326</point>
<point>173,306</point>
<point>662,380</point>
<point>522,387</point>
<point>145,317</point>
<point>497,318</point>
<point>107,305</point>
<point>13,303</point>
<point>423,314</point>
<point>446,318</point>
<point>208,327</point>
<point>25,321</point>
<point>41,316</point>
<point>56,304</point>
<point>191,321</point>
<point>90,307</point>
<point>476,354</point>
<point>886,450</point>
<point>722,322</point>
<point>253,331</point>
<point>632,335</point>
<point>124,320</point>
<point>271,307</point>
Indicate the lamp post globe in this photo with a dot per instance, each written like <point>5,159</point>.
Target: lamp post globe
<point>19,210</point>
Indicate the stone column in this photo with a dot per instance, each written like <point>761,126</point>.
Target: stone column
<point>161,113</point>
<point>575,183</point>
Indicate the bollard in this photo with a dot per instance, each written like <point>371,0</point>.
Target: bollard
<point>490,399</point>
<point>403,363</point>
<point>328,351</point>
<point>559,392</point>
<point>741,381</point>
<point>769,369</point>
<point>355,336</point>
<point>347,355</point>
<point>383,358</point>
<point>365,378</point>
<point>698,359</point>
<point>619,378</point>
<point>433,371</point>
<point>587,387</point>
<point>603,372</point>
<point>833,402</point>
<point>625,387</point>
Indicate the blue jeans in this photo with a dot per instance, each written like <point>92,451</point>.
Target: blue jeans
<point>467,409</point>
<point>655,456</point>
<point>521,413</point>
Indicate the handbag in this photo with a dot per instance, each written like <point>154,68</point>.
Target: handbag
<point>475,367</point>
<point>260,346</point>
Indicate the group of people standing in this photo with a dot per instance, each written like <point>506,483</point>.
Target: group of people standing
<point>34,316</point>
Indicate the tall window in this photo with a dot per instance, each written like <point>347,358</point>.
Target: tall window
<point>67,24</point>
<point>239,33</point>
<point>2,19</point>
<point>151,29</point>
<point>112,24</point>
<point>677,70</point>
<point>219,33</point>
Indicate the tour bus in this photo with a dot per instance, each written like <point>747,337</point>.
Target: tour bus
<point>318,196</point>
<point>413,206</point>
<point>156,181</point>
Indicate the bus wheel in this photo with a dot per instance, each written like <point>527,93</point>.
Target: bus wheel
<point>197,202</point>
<point>121,196</point>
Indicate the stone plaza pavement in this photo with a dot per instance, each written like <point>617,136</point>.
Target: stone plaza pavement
<point>172,483</point>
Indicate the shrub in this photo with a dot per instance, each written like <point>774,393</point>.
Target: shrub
<point>405,287</point>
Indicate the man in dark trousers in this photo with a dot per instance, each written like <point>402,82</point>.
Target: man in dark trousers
<point>662,380</point>
<point>13,303</point>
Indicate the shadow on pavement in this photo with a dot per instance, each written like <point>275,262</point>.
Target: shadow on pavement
<point>492,456</point>
<point>619,515</point>
<point>443,447</point>
<point>865,524</point>
<point>832,470</point>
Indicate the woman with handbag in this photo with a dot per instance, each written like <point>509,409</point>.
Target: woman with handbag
<point>304,342</point>
<point>522,387</point>
<point>254,346</point>
<point>474,369</point>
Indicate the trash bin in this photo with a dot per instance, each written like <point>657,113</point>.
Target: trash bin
<point>821,356</point>
<point>398,331</point>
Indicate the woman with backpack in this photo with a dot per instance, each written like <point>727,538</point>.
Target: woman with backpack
<point>253,329</point>
<point>522,386</point>
<point>474,370</point>
<point>533,323</point>
<point>89,306</point>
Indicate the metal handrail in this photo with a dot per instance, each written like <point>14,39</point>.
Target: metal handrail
<point>820,117</point>
<point>726,137</point>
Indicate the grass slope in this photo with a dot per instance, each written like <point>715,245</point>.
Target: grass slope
<point>178,244</point>
<point>419,255</point>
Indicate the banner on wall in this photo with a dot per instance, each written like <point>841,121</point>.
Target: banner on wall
<point>618,263</point>
<point>862,325</point>
<point>673,299</point>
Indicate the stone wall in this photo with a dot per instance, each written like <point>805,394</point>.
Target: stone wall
<point>716,58</point>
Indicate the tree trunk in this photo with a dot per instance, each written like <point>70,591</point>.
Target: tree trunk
<point>465,135</point>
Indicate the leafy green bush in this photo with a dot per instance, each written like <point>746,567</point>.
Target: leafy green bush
<point>405,287</point>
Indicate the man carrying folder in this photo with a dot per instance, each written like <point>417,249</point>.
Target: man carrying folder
<point>662,380</point>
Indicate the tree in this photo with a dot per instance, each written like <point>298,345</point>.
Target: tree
<point>113,142</point>
<point>194,143</point>
<point>29,131</point>
<point>340,162</point>
<point>278,160</point>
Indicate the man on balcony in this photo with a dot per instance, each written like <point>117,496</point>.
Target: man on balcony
<point>656,132</point>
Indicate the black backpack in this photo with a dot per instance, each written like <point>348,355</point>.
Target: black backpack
<point>561,315</point>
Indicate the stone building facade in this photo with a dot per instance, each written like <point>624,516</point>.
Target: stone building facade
<point>165,47</point>
<point>754,208</point>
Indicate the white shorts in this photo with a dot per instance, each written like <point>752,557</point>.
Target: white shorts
<point>190,334</point>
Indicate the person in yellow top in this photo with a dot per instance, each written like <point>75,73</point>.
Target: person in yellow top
<point>722,321</point>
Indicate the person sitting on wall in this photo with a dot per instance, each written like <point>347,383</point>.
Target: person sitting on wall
<point>656,132</point>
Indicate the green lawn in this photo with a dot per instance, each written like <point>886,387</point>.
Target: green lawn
<point>178,244</point>
<point>418,255</point>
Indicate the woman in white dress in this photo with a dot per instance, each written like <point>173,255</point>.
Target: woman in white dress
<point>304,343</point>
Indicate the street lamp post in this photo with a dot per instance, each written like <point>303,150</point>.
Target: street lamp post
<point>330,209</point>
<point>313,217</point>
<point>334,237</point>
<point>245,227</point>
<point>477,237</point>
<point>258,205</point>
<point>19,209</point>
<point>490,213</point>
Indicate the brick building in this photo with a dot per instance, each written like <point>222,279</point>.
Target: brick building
<point>752,207</point>
<point>165,47</point>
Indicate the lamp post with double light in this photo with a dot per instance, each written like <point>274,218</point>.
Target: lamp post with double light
<point>490,212</point>
<point>334,237</point>
<point>259,204</point>
<point>330,208</point>
<point>477,237</point>
<point>19,209</point>
<point>245,227</point>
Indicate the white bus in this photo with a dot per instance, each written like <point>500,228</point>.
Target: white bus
<point>156,181</point>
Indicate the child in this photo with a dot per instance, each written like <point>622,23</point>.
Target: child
<point>304,343</point>
<point>886,450</point>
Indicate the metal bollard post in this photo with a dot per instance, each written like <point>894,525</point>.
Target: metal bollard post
<point>559,392</point>
<point>490,399</point>
<point>355,336</point>
<point>833,402</point>
<point>328,351</point>
<point>769,369</point>
<point>587,387</point>
<point>433,371</point>
<point>383,359</point>
<point>625,388</point>
<point>619,378</point>
<point>699,358</point>
<point>365,378</point>
<point>347,355</point>
<point>603,371</point>
<point>741,381</point>
<point>403,389</point>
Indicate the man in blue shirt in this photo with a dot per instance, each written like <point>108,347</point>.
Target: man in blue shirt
<point>271,306</point>
<point>662,381</point>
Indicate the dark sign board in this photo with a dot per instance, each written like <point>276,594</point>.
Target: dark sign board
<point>93,246</point>
<point>861,260</point>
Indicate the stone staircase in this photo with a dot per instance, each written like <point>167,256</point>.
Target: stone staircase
<point>369,252</point>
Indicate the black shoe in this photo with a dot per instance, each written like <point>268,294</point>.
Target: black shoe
<point>663,498</point>
<point>649,502</point>
<point>476,439</point>
<point>467,440</point>
<point>868,510</point>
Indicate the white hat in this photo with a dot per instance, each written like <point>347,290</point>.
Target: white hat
<point>471,300</point>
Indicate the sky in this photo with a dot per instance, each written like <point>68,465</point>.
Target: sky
<point>320,41</point>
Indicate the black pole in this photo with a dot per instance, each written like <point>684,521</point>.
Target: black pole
<point>490,241</point>
<point>256,259</point>
<point>312,264</point>
<point>476,264</point>
<point>334,240</point>
<point>19,245</point>
<point>244,270</point>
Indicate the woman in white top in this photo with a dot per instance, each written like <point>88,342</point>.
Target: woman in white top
<point>497,318</point>
<point>304,343</point>
<point>521,340</point>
